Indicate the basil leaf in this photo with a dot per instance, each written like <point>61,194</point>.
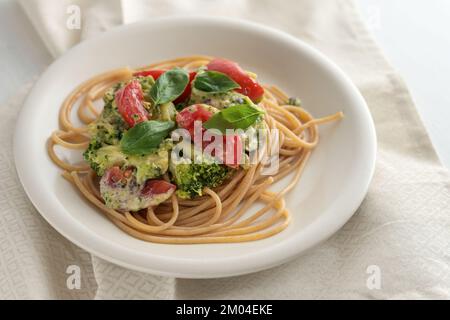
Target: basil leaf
<point>217,122</point>
<point>214,82</point>
<point>239,116</point>
<point>145,137</point>
<point>169,86</point>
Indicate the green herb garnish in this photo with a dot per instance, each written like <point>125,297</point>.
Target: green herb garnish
<point>145,137</point>
<point>169,86</point>
<point>214,82</point>
<point>239,116</point>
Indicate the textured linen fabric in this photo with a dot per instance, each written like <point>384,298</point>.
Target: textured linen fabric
<point>402,228</point>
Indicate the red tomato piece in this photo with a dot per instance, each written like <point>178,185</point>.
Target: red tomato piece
<point>129,103</point>
<point>249,86</point>
<point>155,187</point>
<point>113,175</point>
<point>186,117</point>
<point>154,73</point>
<point>232,144</point>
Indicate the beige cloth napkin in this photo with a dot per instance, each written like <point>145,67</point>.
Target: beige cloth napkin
<point>400,235</point>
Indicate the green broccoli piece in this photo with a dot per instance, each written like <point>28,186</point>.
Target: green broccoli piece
<point>192,178</point>
<point>148,166</point>
<point>91,153</point>
<point>146,84</point>
<point>109,126</point>
<point>102,158</point>
<point>152,165</point>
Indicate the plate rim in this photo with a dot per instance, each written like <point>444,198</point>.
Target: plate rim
<point>207,268</point>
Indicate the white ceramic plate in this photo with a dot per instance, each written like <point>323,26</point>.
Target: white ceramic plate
<point>334,184</point>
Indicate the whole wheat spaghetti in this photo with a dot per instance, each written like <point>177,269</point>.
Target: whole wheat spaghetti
<point>223,214</point>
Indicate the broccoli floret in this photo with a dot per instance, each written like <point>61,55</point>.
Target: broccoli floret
<point>103,158</point>
<point>152,165</point>
<point>148,166</point>
<point>146,84</point>
<point>91,153</point>
<point>191,178</point>
<point>109,126</point>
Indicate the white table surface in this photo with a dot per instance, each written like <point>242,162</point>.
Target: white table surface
<point>412,33</point>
